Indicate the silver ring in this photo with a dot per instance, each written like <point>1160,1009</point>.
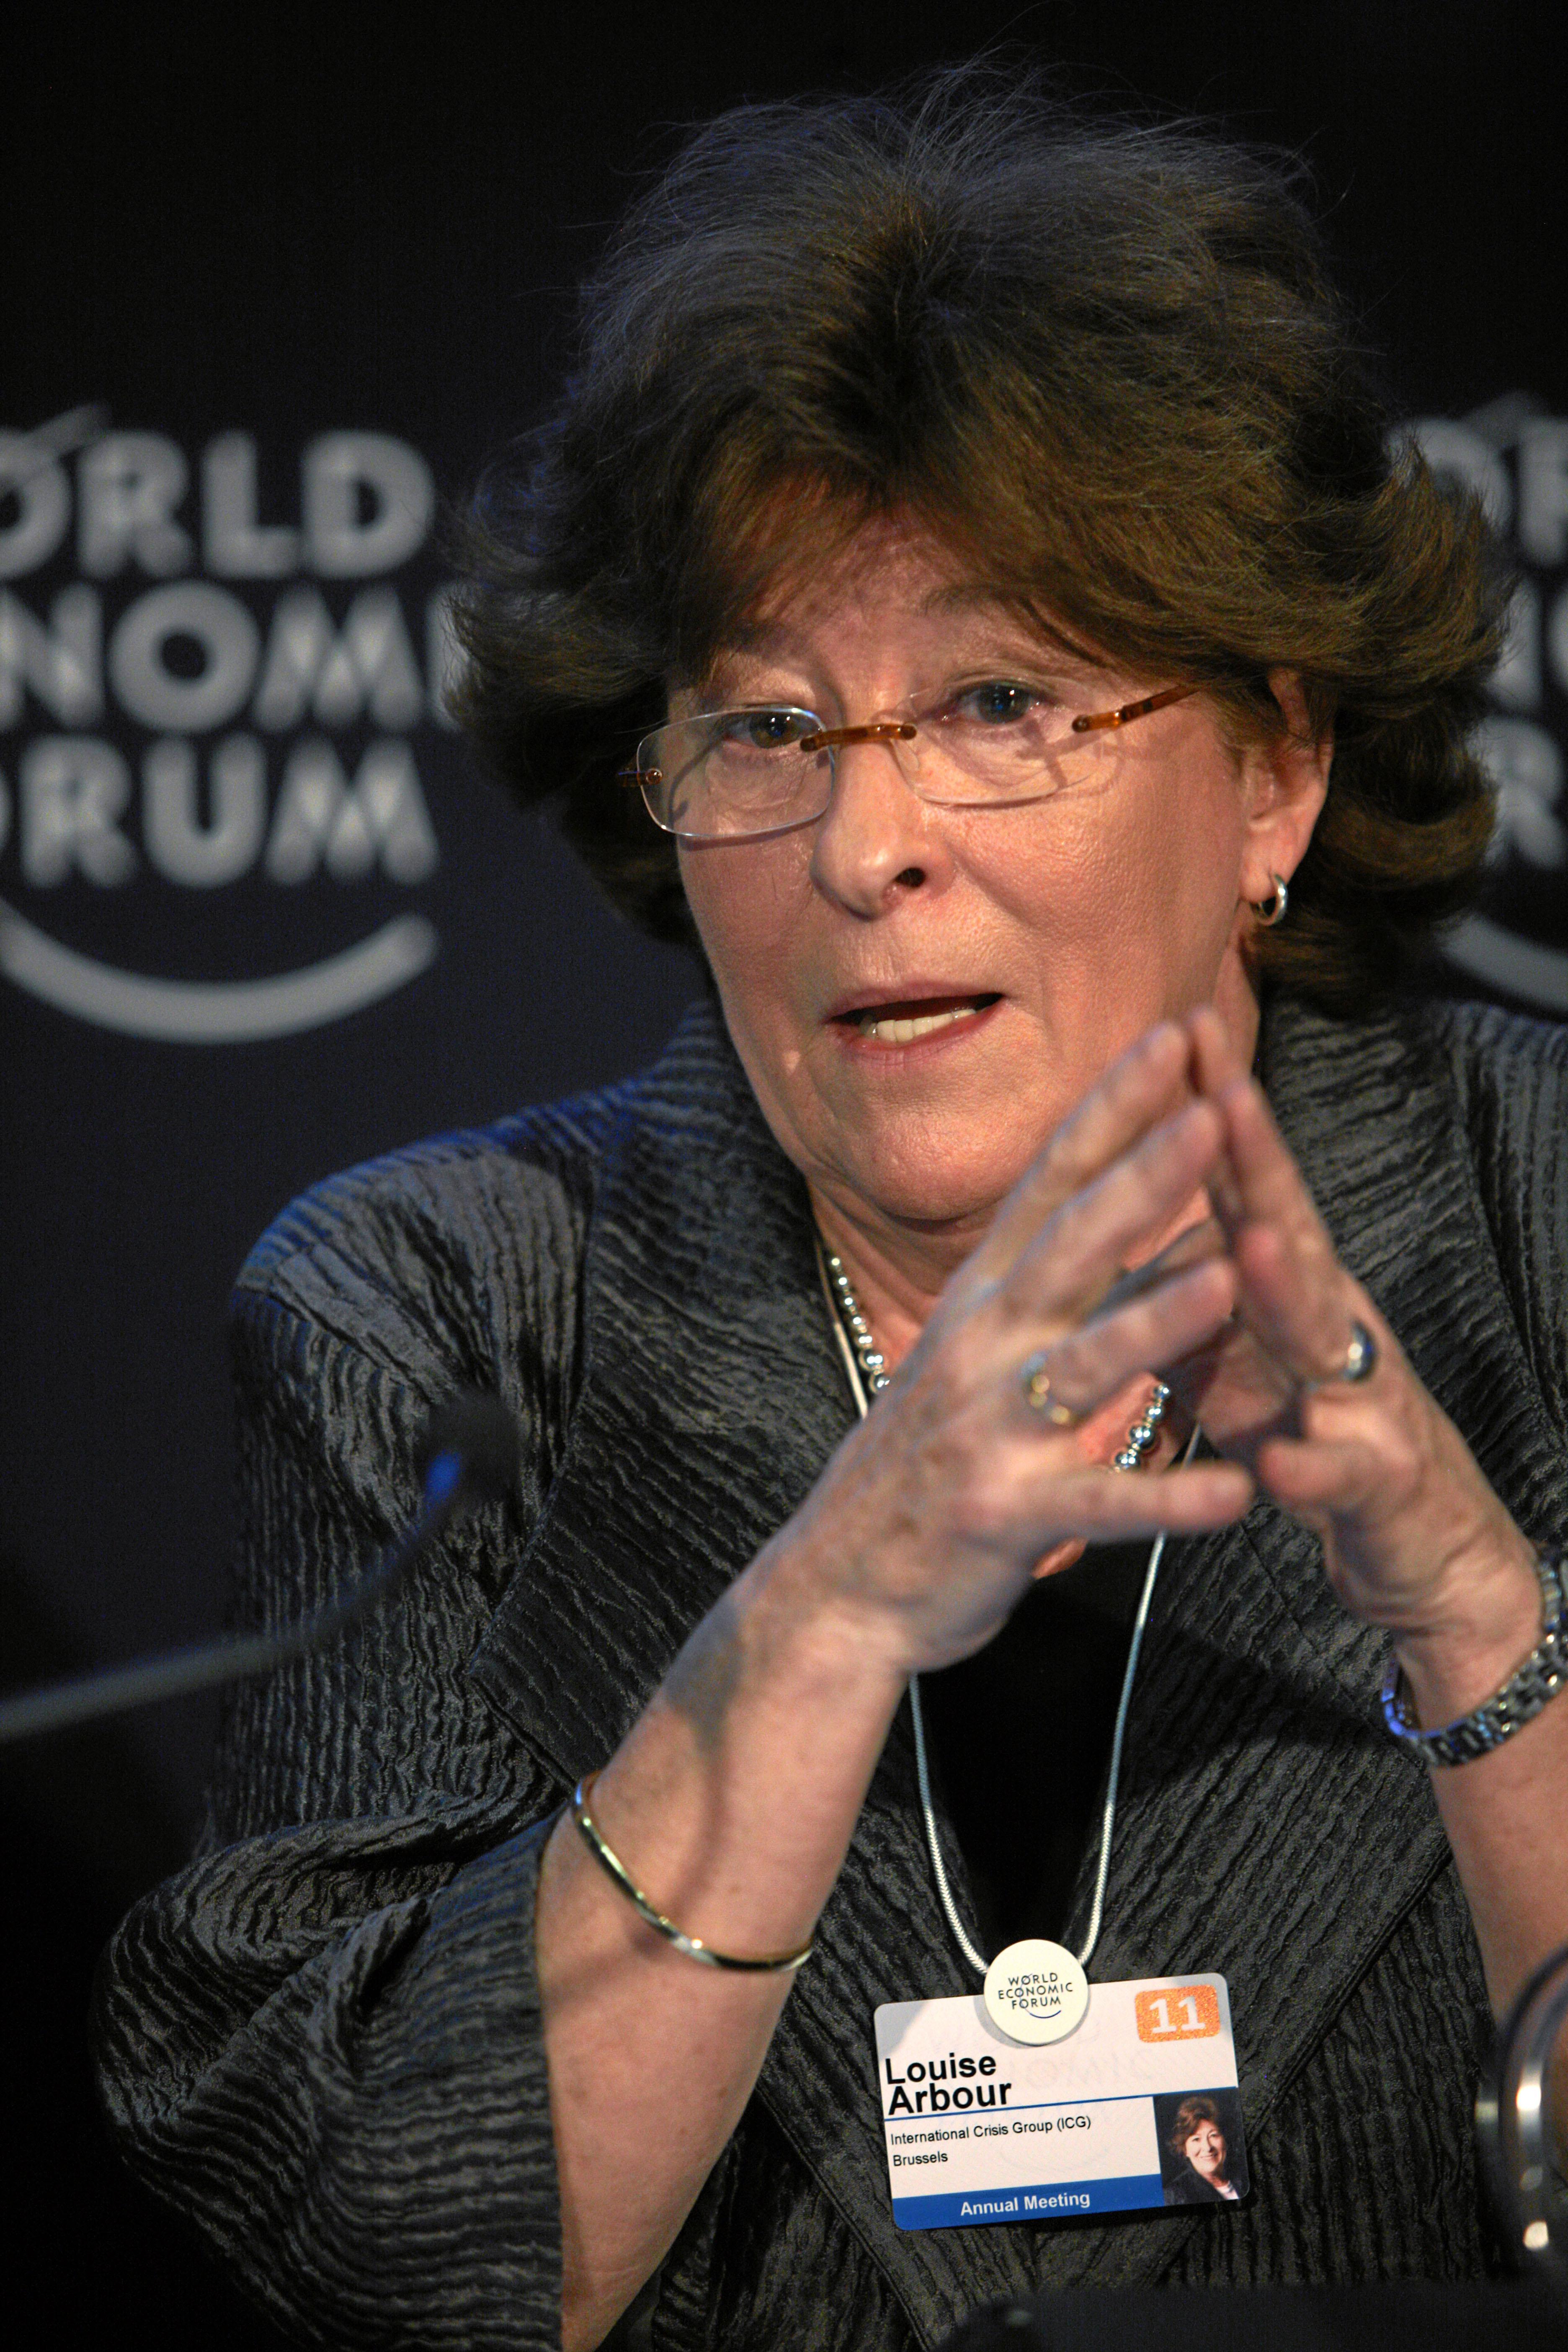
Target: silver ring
<point>1036,1382</point>
<point>1360,1363</point>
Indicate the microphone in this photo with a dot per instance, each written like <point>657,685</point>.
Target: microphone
<point>468,1455</point>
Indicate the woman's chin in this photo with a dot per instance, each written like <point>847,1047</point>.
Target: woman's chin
<point>929,1183</point>
<point>916,1208</point>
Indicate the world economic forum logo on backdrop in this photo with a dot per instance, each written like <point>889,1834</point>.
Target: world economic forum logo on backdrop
<point>205,724</point>
<point>1516,456</point>
<point>213,826</point>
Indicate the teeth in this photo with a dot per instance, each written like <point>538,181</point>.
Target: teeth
<point>904,1033</point>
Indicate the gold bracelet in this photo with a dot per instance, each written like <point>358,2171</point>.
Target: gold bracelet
<point>692,1945</point>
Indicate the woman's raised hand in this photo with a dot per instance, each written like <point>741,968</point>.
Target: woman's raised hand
<point>937,1512</point>
<point>1413,1536</point>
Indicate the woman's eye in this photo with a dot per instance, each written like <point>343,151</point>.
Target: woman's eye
<point>997,702</point>
<point>765,731</point>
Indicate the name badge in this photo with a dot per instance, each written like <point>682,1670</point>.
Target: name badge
<point>1138,2106</point>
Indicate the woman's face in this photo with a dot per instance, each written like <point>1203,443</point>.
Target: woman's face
<point>1056,932</point>
<point>1205,2150</point>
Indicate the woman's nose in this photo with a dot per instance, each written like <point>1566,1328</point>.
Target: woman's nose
<point>876,837</point>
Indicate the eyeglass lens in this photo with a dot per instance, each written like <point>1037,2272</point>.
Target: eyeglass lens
<point>762,770</point>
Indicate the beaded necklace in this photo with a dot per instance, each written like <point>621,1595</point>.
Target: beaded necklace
<point>1142,1438</point>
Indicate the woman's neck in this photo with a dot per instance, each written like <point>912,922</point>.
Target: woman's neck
<point>897,1278</point>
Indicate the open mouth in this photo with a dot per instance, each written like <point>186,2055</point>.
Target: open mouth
<point>900,1023</point>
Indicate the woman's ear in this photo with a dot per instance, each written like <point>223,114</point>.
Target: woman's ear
<point>1286,777</point>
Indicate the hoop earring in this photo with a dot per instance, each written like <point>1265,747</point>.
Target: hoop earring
<point>1271,910</point>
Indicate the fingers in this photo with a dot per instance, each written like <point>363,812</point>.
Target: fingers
<point>1192,1245</point>
<point>1216,1067</point>
<point>1369,1463</point>
<point>1096,1359</point>
<point>1301,1313</point>
<point>1295,1297</point>
<point>1261,1182</point>
<point>1269,1183</point>
<point>1113,1506</point>
<point>1142,1087</point>
<point>1322,1478</point>
<point>1215,1060</point>
<point>1070,1264</point>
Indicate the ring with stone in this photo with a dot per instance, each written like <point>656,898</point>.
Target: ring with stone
<point>1035,1380</point>
<point>1360,1359</point>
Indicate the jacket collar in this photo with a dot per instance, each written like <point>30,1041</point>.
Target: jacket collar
<point>711,1399</point>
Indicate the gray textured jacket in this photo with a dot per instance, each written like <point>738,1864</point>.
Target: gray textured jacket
<point>322,2039</point>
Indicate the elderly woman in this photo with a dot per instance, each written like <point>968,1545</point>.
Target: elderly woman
<point>969,592</point>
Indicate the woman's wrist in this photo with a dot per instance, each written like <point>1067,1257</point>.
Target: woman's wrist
<point>1481,1627</point>
<point>803,1614</point>
<point>733,1797</point>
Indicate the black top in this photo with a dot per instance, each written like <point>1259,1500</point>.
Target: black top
<point>1190,2188</point>
<point>324,2040</point>
<point>1020,1739</point>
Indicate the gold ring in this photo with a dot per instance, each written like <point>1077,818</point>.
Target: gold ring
<point>1035,1383</point>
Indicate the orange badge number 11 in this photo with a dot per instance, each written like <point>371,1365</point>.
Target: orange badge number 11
<point>1186,2013</point>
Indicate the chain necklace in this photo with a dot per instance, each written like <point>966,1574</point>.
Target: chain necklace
<point>868,1376</point>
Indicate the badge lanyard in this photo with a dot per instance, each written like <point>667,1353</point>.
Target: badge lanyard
<point>1040,2101</point>
<point>1036,1960</point>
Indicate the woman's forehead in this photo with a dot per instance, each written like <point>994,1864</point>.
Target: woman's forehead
<point>895,558</point>
<point>892,573</point>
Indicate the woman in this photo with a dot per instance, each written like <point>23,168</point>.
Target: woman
<point>902,443</point>
<point>1196,2140</point>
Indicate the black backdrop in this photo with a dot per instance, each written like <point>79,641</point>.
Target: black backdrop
<point>270,297</point>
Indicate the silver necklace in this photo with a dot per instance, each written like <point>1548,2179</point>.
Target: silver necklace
<point>1145,1430</point>
<point>868,1370</point>
<point>1142,1438</point>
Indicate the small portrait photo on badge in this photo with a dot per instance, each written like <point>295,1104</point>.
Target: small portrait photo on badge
<point>1203,2148</point>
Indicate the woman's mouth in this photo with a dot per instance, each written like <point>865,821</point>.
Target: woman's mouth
<point>901,1023</point>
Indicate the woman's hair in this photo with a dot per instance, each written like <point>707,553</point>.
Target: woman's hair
<point>1102,363</point>
<point>1190,2115</point>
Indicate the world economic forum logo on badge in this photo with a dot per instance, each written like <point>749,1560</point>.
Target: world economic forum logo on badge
<point>208,723</point>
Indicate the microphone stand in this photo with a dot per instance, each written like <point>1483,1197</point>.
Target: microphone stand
<point>470,1446</point>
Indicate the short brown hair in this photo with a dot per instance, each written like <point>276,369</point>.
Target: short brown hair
<point>1188,2116</point>
<point>1104,362</point>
